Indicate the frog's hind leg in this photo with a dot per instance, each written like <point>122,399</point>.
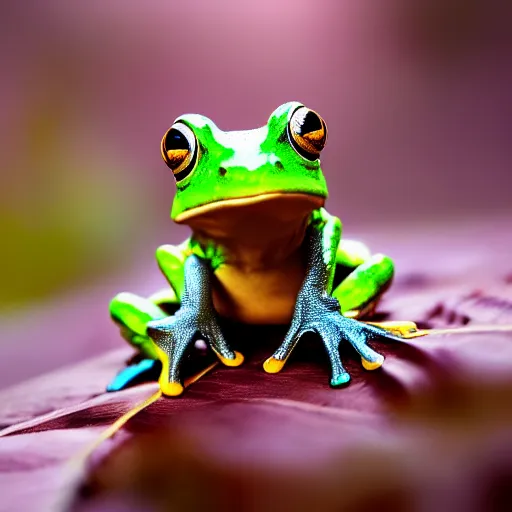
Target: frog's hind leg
<point>360,278</point>
<point>132,313</point>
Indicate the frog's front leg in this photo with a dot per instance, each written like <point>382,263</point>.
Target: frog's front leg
<point>172,335</point>
<point>317,311</point>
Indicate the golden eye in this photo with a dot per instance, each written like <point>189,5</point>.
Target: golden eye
<point>179,150</point>
<point>307,133</point>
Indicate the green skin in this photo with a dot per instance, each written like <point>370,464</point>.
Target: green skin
<point>255,160</point>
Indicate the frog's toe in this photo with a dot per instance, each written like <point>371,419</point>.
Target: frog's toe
<point>340,380</point>
<point>328,329</point>
<point>372,365</point>
<point>273,365</point>
<point>146,370</point>
<point>356,335</point>
<point>234,359</point>
<point>171,388</point>
<point>171,337</point>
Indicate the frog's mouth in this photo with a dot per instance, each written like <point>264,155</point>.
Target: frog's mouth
<point>272,206</point>
<point>258,231</point>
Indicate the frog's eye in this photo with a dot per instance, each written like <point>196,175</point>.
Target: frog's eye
<point>307,133</point>
<point>179,150</point>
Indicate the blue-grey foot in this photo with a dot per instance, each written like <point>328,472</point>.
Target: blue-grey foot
<point>322,316</point>
<point>196,316</point>
<point>146,370</point>
<point>316,311</point>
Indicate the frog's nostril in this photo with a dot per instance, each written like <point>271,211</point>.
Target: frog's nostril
<point>279,165</point>
<point>222,171</point>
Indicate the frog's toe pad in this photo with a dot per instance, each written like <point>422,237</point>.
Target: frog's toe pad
<point>146,370</point>
<point>171,388</point>
<point>273,365</point>
<point>372,365</point>
<point>340,380</point>
<point>237,361</point>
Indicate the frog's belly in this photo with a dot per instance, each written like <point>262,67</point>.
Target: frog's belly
<point>258,297</point>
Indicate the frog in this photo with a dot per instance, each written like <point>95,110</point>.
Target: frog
<point>263,250</point>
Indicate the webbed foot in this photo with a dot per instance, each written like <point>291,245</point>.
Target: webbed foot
<point>317,311</point>
<point>322,316</point>
<point>174,334</point>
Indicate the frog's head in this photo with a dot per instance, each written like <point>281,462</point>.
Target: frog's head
<point>217,170</point>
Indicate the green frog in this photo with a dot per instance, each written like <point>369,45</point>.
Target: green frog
<point>263,250</point>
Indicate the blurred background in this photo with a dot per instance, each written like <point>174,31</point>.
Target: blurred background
<point>416,96</point>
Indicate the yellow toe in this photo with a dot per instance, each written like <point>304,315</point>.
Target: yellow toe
<point>404,329</point>
<point>239,359</point>
<point>368,365</point>
<point>273,365</point>
<point>171,388</point>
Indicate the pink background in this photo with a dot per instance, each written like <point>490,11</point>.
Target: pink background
<point>416,96</point>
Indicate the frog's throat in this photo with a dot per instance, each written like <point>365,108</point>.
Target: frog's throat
<point>226,204</point>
